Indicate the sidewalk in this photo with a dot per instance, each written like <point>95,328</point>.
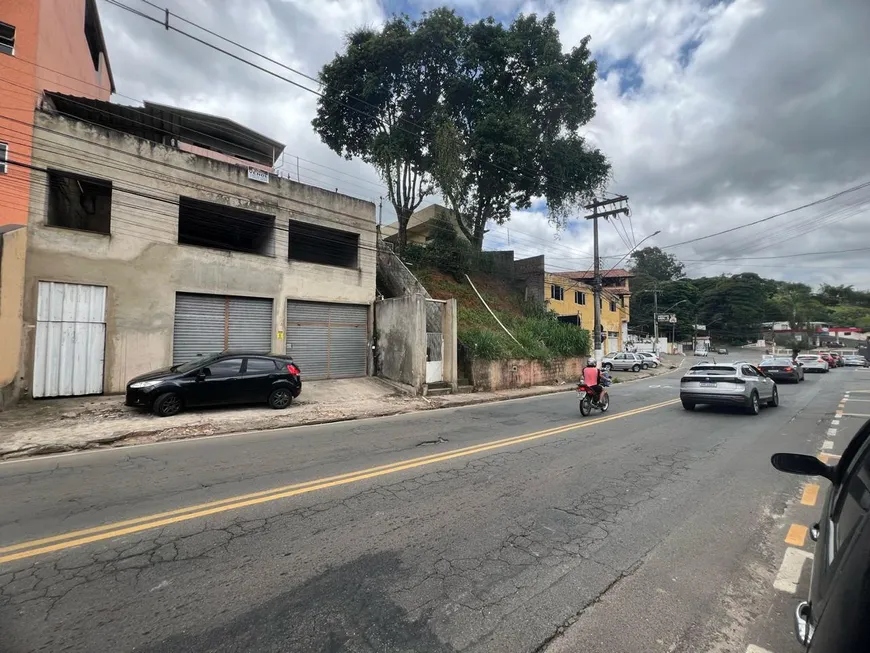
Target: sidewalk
<point>54,426</point>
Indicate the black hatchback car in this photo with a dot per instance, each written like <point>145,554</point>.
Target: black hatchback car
<point>230,377</point>
<point>834,619</point>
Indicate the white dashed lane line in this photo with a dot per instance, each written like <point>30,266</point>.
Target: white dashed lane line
<point>789,574</point>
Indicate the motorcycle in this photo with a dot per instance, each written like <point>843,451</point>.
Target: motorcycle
<point>588,401</point>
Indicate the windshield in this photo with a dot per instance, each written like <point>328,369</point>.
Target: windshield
<point>808,358</point>
<point>191,364</point>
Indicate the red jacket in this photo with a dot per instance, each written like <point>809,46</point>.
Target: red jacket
<point>591,376</point>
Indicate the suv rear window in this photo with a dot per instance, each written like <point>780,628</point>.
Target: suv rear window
<point>713,370</point>
<point>776,361</point>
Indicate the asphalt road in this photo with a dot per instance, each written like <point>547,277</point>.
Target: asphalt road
<point>514,526</point>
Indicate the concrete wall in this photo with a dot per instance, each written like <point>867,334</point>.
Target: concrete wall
<point>141,263</point>
<point>397,278</point>
<point>401,345</point>
<point>13,247</point>
<point>450,352</point>
<point>530,271</point>
<point>523,373</point>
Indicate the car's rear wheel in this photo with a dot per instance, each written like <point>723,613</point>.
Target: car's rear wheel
<point>635,368</point>
<point>774,398</point>
<point>688,405</point>
<point>167,404</point>
<point>754,407</point>
<point>607,367</point>
<point>280,398</point>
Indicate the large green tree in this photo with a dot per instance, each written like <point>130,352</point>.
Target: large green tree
<point>379,98</point>
<point>651,263</point>
<point>510,128</point>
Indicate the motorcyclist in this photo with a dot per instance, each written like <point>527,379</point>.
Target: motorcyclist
<point>592,378</point>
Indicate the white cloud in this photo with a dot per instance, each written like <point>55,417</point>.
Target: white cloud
<point>769,113</point>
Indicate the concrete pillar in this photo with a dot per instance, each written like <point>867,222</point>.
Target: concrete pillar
<point>448,330</point>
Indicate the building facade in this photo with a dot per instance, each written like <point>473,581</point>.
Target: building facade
<point>54,45</point>
<point>422,225</point>
<point>142,254</point>
<point>570,295</point>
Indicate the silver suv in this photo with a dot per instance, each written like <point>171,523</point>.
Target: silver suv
<point>738,384</point>
<point>623,361</point>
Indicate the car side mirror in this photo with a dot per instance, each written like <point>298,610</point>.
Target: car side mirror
<point>204,372</point>
<point>803,464</point>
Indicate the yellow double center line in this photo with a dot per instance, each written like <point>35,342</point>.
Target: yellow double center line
<point>117,529</point>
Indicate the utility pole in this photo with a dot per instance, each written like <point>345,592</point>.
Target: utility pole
<point>622,201</point>
<point>656,316</point>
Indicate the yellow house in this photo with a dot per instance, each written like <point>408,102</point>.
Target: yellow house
<point>570,295</point>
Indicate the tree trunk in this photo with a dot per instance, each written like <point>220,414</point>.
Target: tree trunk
<point>403,217</point>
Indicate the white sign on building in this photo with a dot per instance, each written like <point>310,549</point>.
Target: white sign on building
<point>258,175</point>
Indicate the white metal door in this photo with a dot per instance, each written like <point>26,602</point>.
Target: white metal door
<point>612,341</point>
<point>70,340</point>
<point>434,368</point>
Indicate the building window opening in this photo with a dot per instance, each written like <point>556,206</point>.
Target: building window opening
<point>7,39</point>
<point>4,157</point>
<point>92,33</point>
<point>557,293</point>
<point>76,202</point>
<point>313,244</point>
<point>612,306</point>
<point>580,298</point>
<point>206,224</point>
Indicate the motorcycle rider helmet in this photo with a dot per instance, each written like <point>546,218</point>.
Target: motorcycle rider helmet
<point>590,362</point>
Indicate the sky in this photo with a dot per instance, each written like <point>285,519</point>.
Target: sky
<point>714,114</point>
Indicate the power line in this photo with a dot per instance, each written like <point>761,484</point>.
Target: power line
<point>851,189</point>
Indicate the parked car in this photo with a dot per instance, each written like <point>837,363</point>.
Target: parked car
<point>783,369</point>
<point>728,385</point>
<point>833,619</point>
<point>722,350</point>
<point>651,359</point>
<point>622,361</point>
<point>230,377</point>
<point>855,361</point>
<point>813,363</point>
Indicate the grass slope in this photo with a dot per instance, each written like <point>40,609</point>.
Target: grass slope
<point>541,336</point>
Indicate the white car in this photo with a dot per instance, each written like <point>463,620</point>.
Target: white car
<point>652,359</point>
<point>813,363</point>
<point>701,352</point>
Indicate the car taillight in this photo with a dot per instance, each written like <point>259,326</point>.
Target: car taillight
<point>293,369</point>
<point>789,369</point>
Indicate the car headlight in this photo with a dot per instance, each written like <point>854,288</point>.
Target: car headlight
<point>141,385</point>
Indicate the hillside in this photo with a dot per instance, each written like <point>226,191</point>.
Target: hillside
<point>541,336</point>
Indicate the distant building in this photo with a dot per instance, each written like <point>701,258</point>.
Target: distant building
<point>422,225</point>
<point>571,297</point>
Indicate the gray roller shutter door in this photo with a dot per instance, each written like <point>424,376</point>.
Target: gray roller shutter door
<point>206,324</point>
<point>328,341</point>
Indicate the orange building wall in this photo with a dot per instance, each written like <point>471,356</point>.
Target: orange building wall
<point>63,58</point>
<point>17,101</point>
<point>51,54</point>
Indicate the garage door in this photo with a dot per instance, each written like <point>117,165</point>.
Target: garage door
<point>70,339</point>
<point>328,341</point>
<point>206,324</point>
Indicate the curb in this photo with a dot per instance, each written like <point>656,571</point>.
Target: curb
<point>119,440</point>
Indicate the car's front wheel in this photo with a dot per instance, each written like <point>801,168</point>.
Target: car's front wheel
<point>280,398</point>
<point>774,398</point>
<point>635,368</point>
<point>754,407</point>
<point>167,404</point>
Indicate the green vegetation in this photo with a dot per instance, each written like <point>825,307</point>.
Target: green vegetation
<point>734,307</point>
<point>540,335</point>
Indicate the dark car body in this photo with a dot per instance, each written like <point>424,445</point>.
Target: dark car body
<point>834,617</point>
<point>230,377</point>
<point>782,369</point>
